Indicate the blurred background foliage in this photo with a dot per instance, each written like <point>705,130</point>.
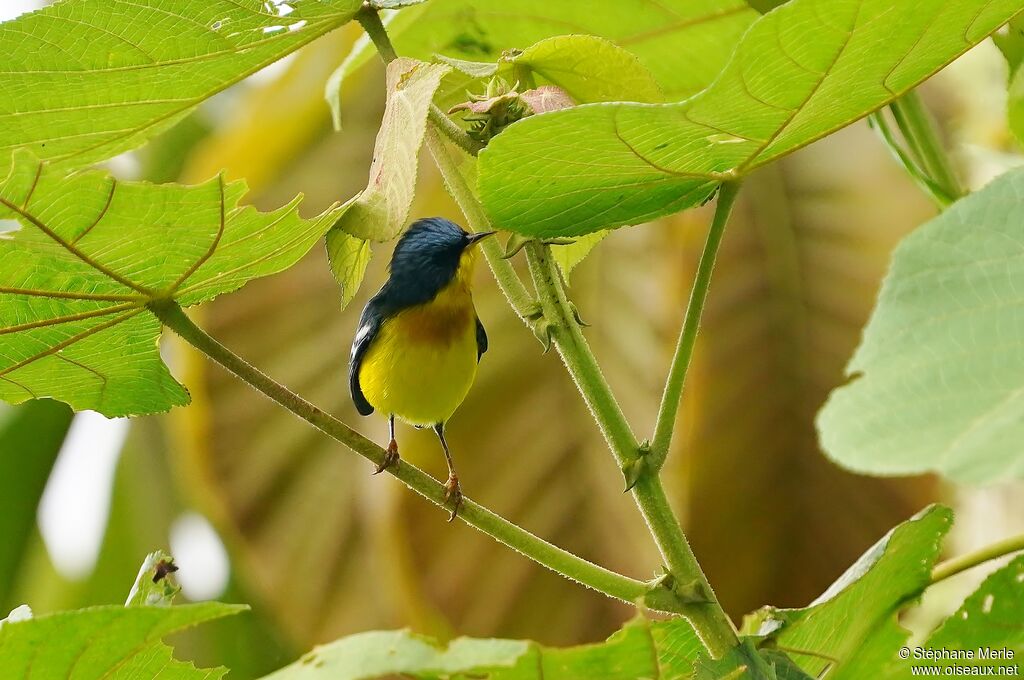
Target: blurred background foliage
<point>320,549</point>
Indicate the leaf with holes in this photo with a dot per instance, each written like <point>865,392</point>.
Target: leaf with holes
<point>83,81</point>
<point>92,252</point>
<point>106,642</point>
<point>857,614</point>
<point>801,72</point>
<point>939,383</point>
<point>990,620</point>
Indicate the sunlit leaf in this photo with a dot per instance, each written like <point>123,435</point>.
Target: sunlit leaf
<point>381,211</point>
<point>115,82</point>
<point>348,256</point>
<point>801,72</point>
<point>864,602</point>
<point>590,69</point>
<point>989,620</point>
<point>568,256</point>
<point>938,381</point>
<point>642,649</point>
<point>92,252</point>
<point>684,43</point>
<point>371,655</point>
<point>106,642</point>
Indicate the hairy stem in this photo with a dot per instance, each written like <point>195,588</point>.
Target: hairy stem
<point>697,600</point>
<point>918,129</point>
<point>691,593</point>
<point>558,560</point>
<point>518,296</point>
<point>993,551</point>
<point>374,27</point>
<point>673,394</point>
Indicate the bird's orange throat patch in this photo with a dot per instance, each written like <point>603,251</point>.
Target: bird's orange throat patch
<point>444,319</point>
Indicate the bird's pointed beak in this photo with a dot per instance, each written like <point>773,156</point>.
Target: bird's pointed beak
<point>479,236</point>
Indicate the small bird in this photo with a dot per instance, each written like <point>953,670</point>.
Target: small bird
<point>419,340</point>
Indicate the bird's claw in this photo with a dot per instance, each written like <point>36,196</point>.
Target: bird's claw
<point>390,457</point>
<point>453,493</point>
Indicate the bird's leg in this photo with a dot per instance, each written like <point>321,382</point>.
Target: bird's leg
<point>391,455</point>
<point>452,489</point>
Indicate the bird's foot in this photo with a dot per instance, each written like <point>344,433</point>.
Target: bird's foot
<point>390,457</point>
<point>453,494</point>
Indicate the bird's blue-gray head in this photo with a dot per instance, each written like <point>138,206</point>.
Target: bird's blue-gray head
<point>427,258</point>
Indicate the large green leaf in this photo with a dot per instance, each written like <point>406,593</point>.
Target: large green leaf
<point>861,607</point>
<point>939,383</point>
<point>92,252</point>
<point>990,619</point>
<point>591,69</point>
<point>105,642</point>
<point>84,80</point>
<point>801,72</point>
<point>642,649</point>
<point>684,43</point>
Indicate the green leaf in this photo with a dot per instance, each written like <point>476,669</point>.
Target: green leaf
<point>641,649</point>
<point>30,439</point>
<point>938,385</point>
<point>393,4</point>
<point>92,252</point>
<point>990,619</point>
<point>590,69</point>
<point>861,607</point>
<point>568,256</point>
<point>381,211</point>
<point>801,72</point>
<point>683,43</point>
<point>106,642</point>
<point>349,257</point>
<point>83,81</point>
<point>380,653</point>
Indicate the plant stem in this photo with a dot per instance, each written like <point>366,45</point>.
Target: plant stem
<point>673,394</point>
<point>698,602</point>
<point>993,551</point>
<point>515,537</point>
<point>374,27</point>
<point>926,183</point>
<point>524,305</point>
<point>919,130</point>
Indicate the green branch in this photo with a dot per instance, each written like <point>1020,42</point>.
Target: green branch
<point>972,559</point>
<point>676,380</point>
<point>554,558</point>
<point>684,589</point>
<point>696,599</point>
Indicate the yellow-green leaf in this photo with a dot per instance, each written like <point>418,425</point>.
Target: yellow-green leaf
<point>802,71</point>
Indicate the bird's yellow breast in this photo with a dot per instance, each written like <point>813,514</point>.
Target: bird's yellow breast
<point>423,360</point>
